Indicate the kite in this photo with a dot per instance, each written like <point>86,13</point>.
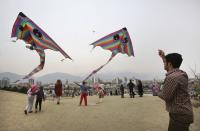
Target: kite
<point>25,29</point>
<point>116,42</point>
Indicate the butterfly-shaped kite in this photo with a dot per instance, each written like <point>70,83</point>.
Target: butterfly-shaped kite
<point>116,42</point>
<point>25,29</point>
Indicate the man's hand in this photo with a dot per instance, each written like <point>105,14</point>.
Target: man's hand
<point>161,53</point>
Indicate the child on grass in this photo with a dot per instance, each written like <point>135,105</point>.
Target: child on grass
<point>39,98</point>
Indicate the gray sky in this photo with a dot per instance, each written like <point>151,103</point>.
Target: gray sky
<point>171,25</point>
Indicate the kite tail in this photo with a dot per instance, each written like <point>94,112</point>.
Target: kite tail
<point>37,69</point>
<point>98,69</point>
<point>17,81</point>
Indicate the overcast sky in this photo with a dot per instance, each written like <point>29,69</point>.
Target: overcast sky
<point>171,25</point>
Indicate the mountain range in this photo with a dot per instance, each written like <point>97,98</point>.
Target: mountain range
<point>52,77</point>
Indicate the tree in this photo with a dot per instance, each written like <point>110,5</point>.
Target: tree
<point>196,82</point>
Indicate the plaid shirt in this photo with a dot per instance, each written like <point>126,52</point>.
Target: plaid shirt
<point>175,93</point>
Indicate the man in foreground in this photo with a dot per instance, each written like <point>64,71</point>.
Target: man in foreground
<point>175,93</point>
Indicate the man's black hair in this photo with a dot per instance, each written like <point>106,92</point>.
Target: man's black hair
<point>83,82</point>
<point>175,59</point>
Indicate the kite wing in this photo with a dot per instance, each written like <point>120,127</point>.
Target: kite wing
<point>25,29</point>
<point>116,42</point>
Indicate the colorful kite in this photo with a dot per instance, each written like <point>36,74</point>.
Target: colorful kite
<point>116,42</point>
<point>25,29</point>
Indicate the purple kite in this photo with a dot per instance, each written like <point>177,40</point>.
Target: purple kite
<point>116,42</point>
<point>25,29</point>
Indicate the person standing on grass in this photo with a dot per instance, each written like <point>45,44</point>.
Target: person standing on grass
<point>131,85</point>
<point>83,93</point>
<point>175,93</point>
<point>31,94</point>
<point>101,93</point>
<point>140,88</point>
<point>122,90</point>
<point>58,90</point>
<point>39,98</point>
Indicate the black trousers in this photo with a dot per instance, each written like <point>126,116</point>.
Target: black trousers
<point>122,94</point>
<point>38,101</point>
<point>179,122</point>
<point>132,94</point>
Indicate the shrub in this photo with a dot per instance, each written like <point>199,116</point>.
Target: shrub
<point>15,89</point>
<point>23,90</point>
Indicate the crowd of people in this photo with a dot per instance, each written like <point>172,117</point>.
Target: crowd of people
<point>174,92</point>
<point>35,91</point>
<point>57,92</point>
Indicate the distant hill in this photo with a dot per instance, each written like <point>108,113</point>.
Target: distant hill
<point>48,78</point>
<point>12,76</point>
<point>53,77</point>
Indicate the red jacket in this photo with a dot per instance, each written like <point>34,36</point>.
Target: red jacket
<point>58,89</point>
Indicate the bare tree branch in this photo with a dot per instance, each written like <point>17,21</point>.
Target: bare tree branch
<point>194,73</point>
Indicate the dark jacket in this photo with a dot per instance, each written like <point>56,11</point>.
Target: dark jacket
<point>122,89</point>
<point>131,86</point>
<point>40,95</point>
